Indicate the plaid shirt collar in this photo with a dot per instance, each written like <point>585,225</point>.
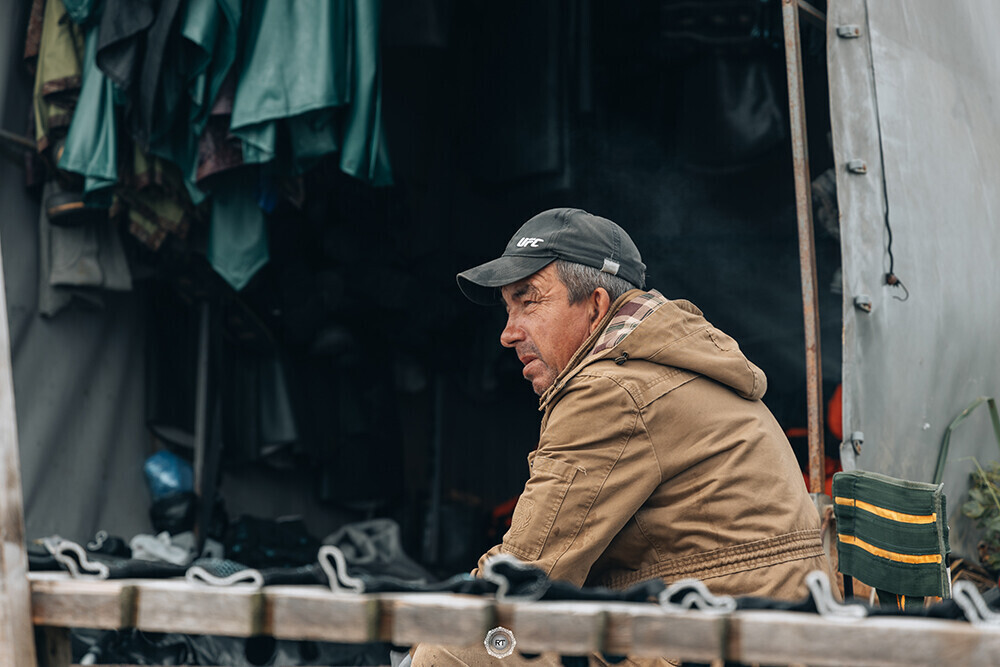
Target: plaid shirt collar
<point>627,319</point>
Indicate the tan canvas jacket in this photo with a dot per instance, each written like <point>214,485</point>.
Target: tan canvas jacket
<point>657,458</point>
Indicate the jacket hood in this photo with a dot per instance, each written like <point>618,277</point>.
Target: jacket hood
<point>648,326</point>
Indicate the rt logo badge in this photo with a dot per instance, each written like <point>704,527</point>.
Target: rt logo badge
<point>500,642</point>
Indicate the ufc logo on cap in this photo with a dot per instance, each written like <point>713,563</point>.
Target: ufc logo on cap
<point>529,241</point>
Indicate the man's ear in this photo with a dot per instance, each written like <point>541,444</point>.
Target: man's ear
<point>600,302</point>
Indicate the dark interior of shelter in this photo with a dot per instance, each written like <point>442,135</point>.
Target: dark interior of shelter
<point>667,118</point>
<point>334,357</point>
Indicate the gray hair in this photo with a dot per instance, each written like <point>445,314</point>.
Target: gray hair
<point>581,281</point>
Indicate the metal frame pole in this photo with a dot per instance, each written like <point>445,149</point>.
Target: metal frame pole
<point>807,246</point>
<point>201,393</point>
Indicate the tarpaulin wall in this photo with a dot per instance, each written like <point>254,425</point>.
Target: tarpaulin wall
<point>77,378</point>
<point>916,98</point>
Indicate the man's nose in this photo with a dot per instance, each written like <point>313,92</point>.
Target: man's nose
<point>511,334</point>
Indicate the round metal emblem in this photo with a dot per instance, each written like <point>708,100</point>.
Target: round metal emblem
<point>500,642</point>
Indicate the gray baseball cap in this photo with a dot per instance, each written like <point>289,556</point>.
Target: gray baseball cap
<point>559,233</point>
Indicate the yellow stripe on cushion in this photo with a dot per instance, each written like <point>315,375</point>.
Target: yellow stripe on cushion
<point>888,555</point>
<point>886,514</point>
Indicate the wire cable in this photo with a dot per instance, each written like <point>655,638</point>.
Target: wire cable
<point>891,278</point>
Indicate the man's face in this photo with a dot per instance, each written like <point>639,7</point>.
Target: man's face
<point>542,326</point>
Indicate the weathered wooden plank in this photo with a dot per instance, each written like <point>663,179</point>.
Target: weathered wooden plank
<point>179,606</point>
<point>313,612</point>
<point>784,637</point>
<point>17,646</point>
<point>449,620</point>
<point>58,600</point>
<point>690,636</point>
<point>174,605</point>
<point>572,628</point>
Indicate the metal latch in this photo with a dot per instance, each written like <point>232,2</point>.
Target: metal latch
<point>849,31</point>
<point>850,450</point>
<point>857,167</point>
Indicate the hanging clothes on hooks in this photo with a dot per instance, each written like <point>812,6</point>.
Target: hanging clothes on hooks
<point>174,93</point>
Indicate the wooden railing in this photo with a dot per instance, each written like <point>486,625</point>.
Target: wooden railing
<point>313,612</point>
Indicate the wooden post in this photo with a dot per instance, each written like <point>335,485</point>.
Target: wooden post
<point>54,648</point>
<point>17,646</point>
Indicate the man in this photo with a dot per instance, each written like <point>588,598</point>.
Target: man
<point>656,456</point>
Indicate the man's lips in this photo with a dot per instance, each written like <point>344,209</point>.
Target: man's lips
<point>527,360</point>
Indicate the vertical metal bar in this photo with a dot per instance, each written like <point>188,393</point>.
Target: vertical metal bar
<point>432,523</point>
<point>807,246</point>
<point>201,397</point>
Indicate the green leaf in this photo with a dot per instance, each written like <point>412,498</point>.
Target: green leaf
<point>992,526</point>
<point>973,509</point>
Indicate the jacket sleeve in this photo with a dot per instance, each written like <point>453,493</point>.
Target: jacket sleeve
<point>593,469</point>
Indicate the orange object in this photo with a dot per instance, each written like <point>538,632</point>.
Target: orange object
<point>831,466</point>
<point>835,413</point>
<point>835,424</point>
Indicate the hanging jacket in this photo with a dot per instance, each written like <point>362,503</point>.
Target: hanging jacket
<point>657,458</point>
<point>314,66</point>
<point>211,31</point>
<point>58,72</point>
<point>91,148</point>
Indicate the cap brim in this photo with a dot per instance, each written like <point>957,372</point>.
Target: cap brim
<point>481,284</point>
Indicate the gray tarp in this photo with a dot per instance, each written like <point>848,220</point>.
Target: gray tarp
<point>77,377</point>
<point>927,75</point>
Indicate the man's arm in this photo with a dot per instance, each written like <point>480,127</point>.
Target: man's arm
<point>593,469</point>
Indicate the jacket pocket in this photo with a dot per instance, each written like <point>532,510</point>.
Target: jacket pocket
<point>538,506</point>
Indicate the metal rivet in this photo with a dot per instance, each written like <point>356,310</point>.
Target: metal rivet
<point>857,167</point>
<point>849,31</point>
<point>863,302</point>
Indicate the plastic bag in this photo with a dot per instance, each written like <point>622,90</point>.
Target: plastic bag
<point>167,473</point>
